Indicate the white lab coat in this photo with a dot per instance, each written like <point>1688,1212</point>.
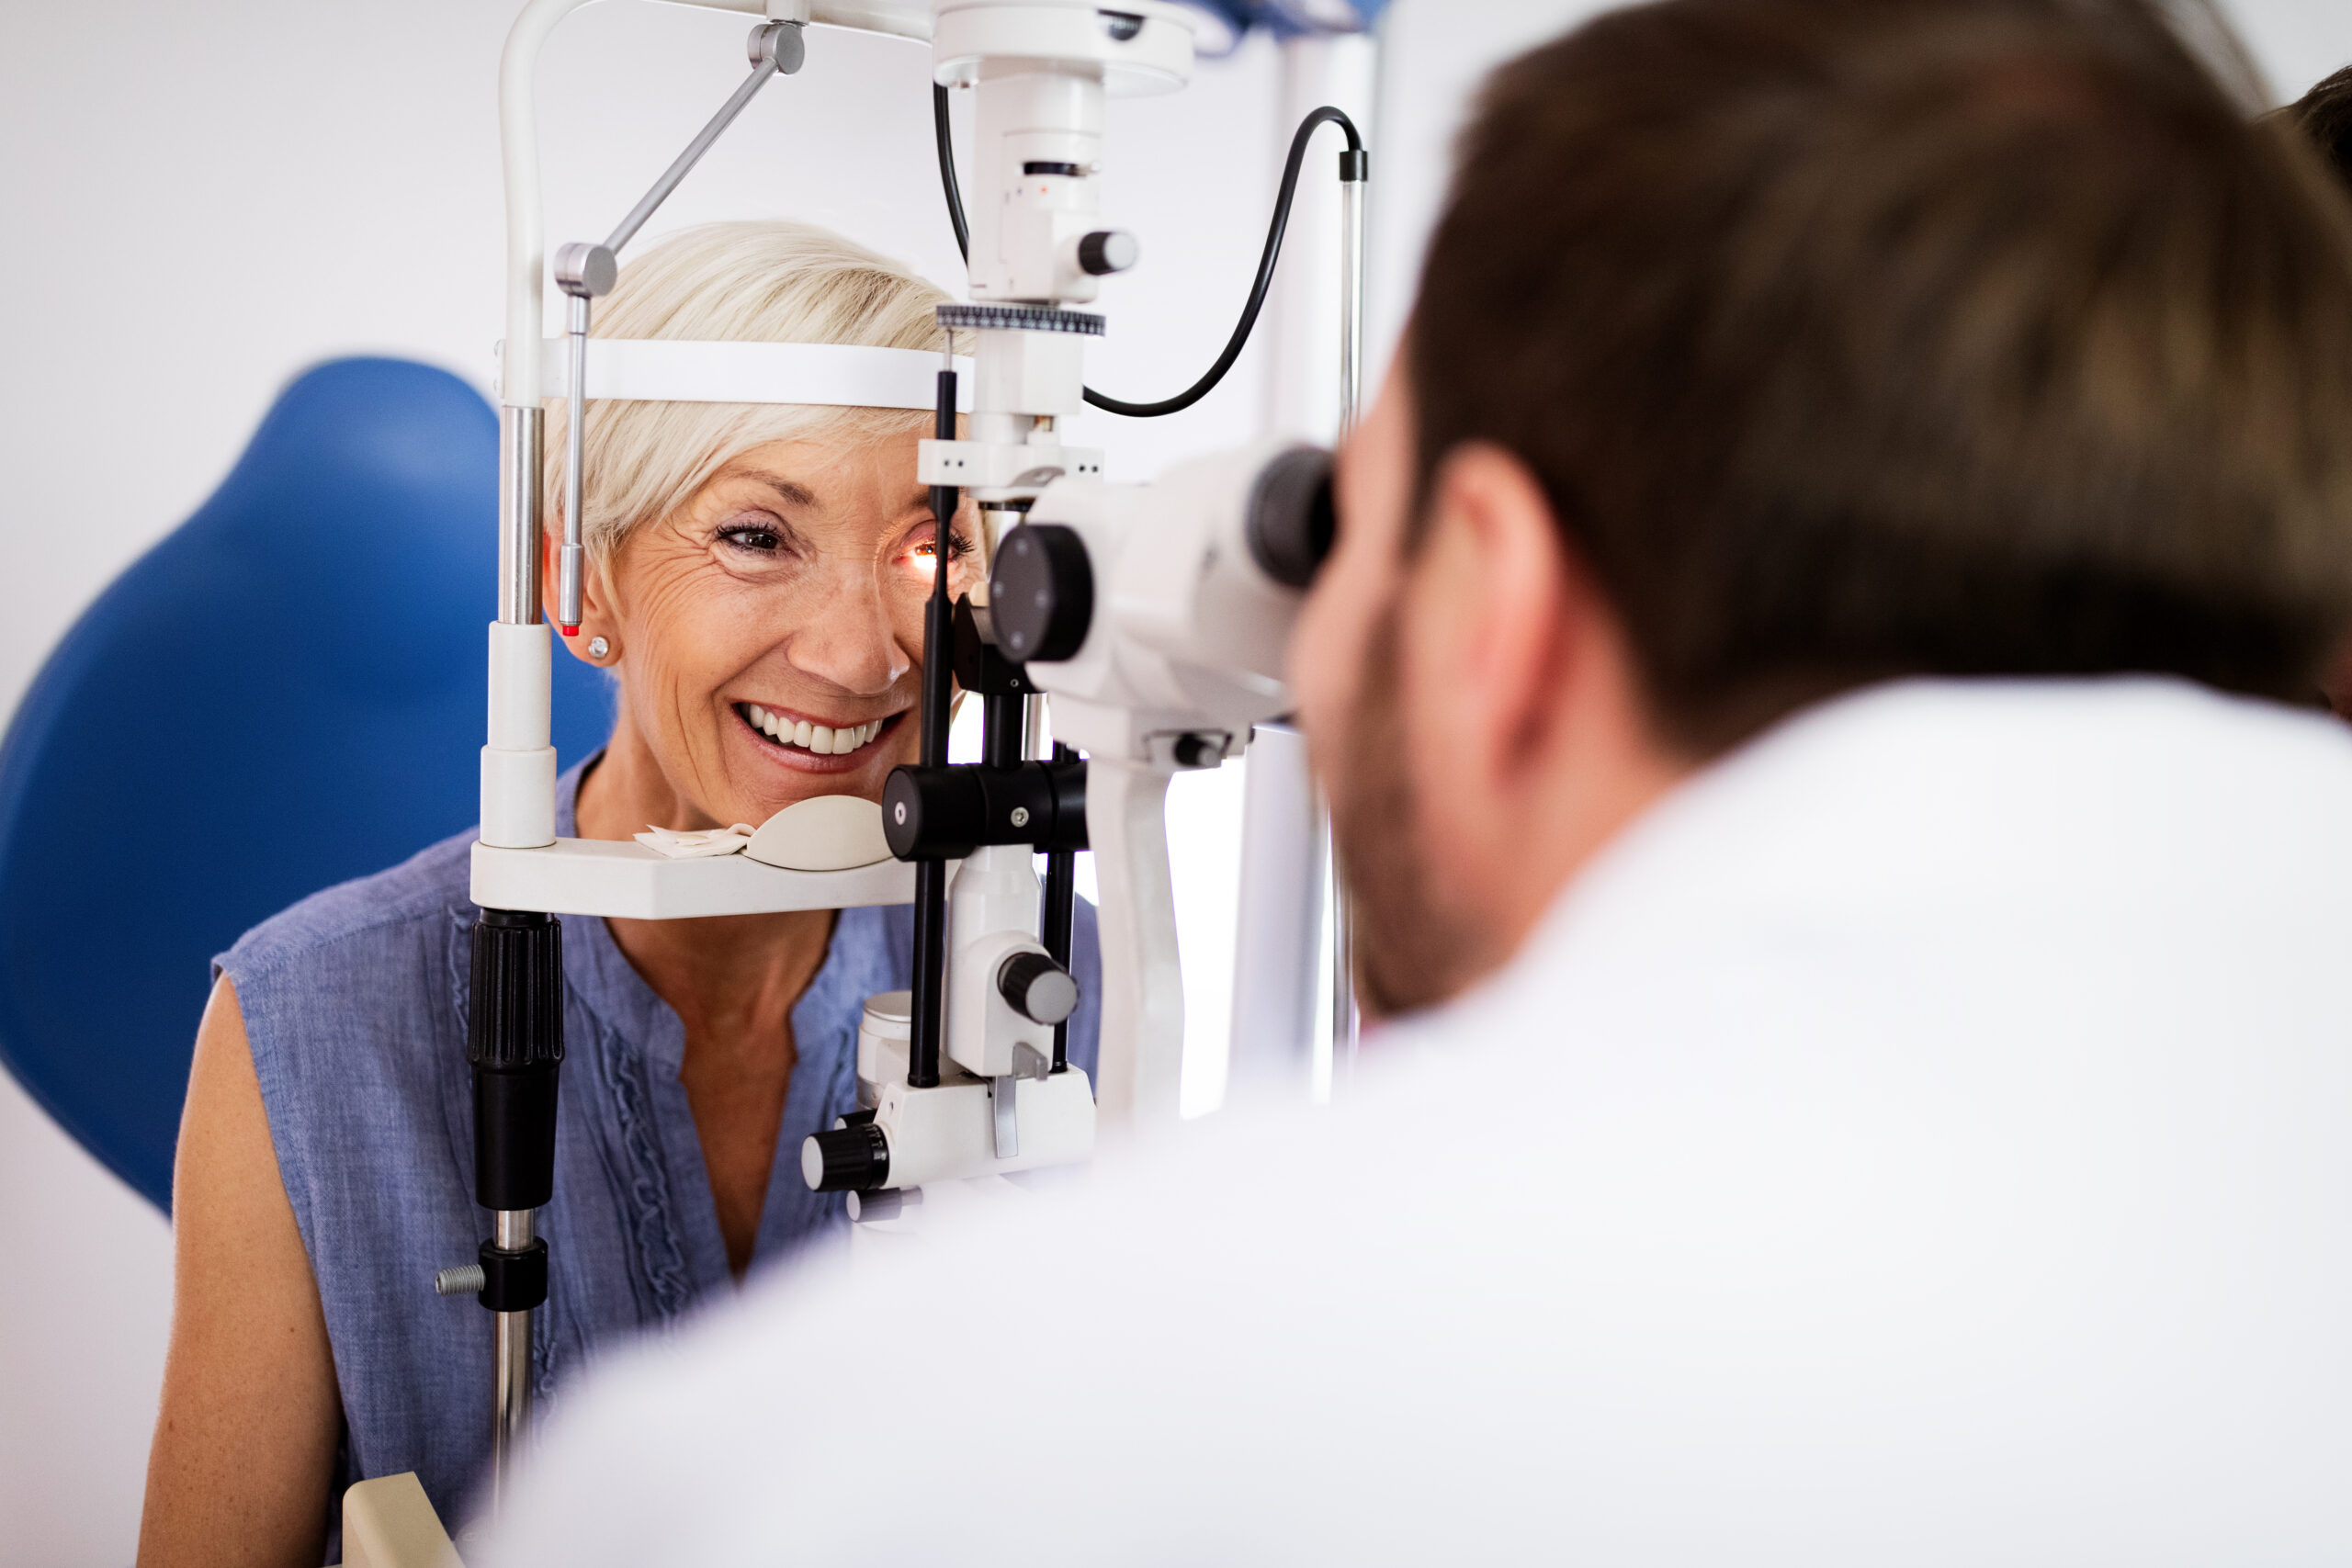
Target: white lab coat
<point>1924,1138</point>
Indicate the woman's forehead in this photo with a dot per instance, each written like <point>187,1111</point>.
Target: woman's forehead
<point>822,476</point>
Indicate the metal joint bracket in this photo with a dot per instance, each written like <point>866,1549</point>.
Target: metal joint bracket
<point>987,465</point>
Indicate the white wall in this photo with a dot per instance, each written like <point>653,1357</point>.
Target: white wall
<point>203,199</point>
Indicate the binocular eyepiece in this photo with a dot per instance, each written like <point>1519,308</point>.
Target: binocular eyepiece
<point>1042,594</point>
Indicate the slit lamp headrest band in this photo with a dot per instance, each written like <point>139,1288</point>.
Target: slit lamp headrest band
<point>675,370</point>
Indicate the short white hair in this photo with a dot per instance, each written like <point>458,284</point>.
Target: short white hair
<point>772,281</point>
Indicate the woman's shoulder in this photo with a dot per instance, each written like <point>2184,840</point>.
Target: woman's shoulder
<point>367,918</point>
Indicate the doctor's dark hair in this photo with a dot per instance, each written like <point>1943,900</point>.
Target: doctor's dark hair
<point>1852,339</point>
<point>2324,117</point>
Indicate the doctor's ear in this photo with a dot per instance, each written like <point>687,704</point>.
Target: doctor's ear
<point>1493,587</point>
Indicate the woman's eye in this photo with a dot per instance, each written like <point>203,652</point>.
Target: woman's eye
<point>958,547</point>
<point>752,536</point>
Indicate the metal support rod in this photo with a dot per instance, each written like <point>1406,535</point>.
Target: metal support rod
<point>771,53</point>
<point>930,978</point>
<point>510,1375</point>
<point>1350,303</point>
<point>1058,916</point>
<point>1354,170</point>
<point>520,452</point>
<point>571,562</point>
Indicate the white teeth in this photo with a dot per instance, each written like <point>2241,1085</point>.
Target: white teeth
<point>825,740</point>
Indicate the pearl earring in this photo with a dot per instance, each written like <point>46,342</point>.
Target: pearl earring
<point>598,648</point>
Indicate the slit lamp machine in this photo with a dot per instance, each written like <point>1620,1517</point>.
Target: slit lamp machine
<point>1128,632</point>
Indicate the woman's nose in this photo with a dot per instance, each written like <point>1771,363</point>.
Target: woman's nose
<point>846,639</point>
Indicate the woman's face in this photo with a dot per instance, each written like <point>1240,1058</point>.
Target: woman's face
<point>769,631</point>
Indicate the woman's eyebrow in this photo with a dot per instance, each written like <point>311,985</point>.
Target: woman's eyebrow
<point>791,490</point>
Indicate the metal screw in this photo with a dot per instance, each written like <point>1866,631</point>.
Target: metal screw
<point>1021,817</point>
<point>466,1280</point>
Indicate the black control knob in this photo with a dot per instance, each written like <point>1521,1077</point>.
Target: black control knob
<point>1040,598</point>
<point>855,1159</point>
<point>1107,251</point>
<point>1038,989</point>
<point>514,1042</point>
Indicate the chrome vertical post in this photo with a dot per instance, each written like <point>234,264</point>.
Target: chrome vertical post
<point>510,1374</point>
<point>1354,174</point>
<point>521,452</point>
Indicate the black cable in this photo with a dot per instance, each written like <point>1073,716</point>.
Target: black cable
<point>1353,164</point>
<point>947,173</point>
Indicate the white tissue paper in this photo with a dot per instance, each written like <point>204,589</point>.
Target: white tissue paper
<point>694,846</point>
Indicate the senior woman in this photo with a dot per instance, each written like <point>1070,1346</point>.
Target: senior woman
<point>757,592</point>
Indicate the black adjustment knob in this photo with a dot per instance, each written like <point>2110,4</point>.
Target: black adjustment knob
<point>855,1159</point>
<point>514,1042</point>
<point>1038,989</point>
<point>1291,518</point>
<point>1107,251</point>
<point>1042,595</point>
<point>515,1009</point>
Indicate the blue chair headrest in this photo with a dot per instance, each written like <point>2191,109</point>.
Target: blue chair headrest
<point>285,694</point>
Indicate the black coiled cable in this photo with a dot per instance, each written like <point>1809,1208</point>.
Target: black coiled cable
<point>1192,394</point>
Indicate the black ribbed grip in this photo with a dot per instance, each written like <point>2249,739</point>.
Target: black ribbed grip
<point>515,1040</point>
<point>855,1159</point>
<point>515,1016</point>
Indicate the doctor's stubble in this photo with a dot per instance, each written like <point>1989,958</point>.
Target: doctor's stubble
<point>1410,951</point>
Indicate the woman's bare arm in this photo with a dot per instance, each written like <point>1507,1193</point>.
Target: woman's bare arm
<point>245,1441</point>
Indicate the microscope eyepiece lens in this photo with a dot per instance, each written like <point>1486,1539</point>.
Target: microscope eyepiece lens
<point>1042,595</point>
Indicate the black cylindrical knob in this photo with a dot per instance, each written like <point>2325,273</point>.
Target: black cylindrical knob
<point>1291,518</point>
<point>935,813</point>
<point>846,1160</point>
<point>1037,988</point>
<point>1107,251</point>
<point>514,1042</point>
<point>515,1010</point>
<point>1041,596</point>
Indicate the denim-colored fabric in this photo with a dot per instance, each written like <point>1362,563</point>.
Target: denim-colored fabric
<point>354,1003</point>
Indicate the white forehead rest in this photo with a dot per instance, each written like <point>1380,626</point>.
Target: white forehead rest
<point>675,370</point>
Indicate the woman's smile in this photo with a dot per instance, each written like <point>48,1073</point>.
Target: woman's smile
<point>816,745</point>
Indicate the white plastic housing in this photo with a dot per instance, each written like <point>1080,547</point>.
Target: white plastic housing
<point>1077,36</point>
<point>948,1132</point>
<point>1032,112</point>
<point>1188,635</point>
<point>993,908</point>
<point>518,768</point>
<point>624,880</point>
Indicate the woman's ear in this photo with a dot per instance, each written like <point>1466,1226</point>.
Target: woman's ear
<point>599,640</point>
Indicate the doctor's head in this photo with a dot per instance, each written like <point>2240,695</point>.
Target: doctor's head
<point>1767,349</point>
<point>757,571</point>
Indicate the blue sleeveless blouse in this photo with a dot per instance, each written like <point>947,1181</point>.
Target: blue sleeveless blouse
<point>354,1003</point>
